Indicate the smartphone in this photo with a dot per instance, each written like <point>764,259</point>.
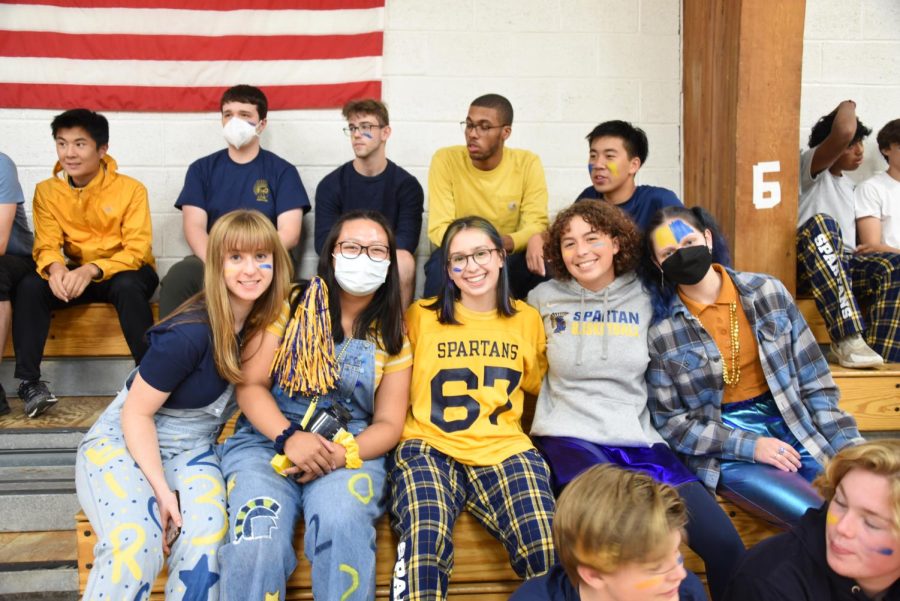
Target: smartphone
<point>172,531</point>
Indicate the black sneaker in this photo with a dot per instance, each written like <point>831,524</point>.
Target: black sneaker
<point>36,396</point>
<point>4,404</point>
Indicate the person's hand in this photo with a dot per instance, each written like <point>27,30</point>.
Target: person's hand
<point>534,254</point>
<point>776,453</point>
<point>76,280</point>
<point>311,455</point>
<point>57,286</point>
<point>865,249</point>
<point>168,510</point>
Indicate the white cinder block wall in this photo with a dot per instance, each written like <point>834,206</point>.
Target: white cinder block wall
<point>566,65</point>
<point>851,50</point>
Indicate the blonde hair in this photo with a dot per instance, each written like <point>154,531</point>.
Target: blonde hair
<point>240,230</point>
<point>879,457</point>
<point>608,517</point>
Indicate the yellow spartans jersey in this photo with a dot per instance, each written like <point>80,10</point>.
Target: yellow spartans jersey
<point>469,381</point>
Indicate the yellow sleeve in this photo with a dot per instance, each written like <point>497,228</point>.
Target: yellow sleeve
<point>397,362</point>
<point>278,326</point>
<point>137,235</point>
<point>441,203</point>
<point>533,210</point>
<point>536,364</point>
<point>48,233</point>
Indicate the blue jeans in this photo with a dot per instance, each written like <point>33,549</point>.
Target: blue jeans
<point>122,508</point>
<point>340,510</point>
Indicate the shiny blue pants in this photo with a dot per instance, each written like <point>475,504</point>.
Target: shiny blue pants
<point>778,497</point>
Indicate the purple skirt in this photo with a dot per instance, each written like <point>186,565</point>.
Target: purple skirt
<point>568,457</point>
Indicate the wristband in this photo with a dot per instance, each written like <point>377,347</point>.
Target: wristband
<point>346,440</point>
<point>282,438</point>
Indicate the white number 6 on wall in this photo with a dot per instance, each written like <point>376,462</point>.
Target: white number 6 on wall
<point>766,194</point>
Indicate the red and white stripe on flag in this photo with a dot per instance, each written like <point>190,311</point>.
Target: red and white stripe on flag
<point>180,55</point>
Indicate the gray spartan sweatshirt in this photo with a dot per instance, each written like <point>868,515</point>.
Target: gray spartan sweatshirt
<point>597,354</point>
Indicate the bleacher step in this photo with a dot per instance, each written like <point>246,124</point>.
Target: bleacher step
<point>75,376</point>
<point>38,566</point>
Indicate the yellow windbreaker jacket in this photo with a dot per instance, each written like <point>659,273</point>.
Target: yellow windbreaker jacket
<point>106,223</point>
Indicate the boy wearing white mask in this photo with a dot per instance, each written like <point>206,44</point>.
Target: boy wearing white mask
<point>241,176</point>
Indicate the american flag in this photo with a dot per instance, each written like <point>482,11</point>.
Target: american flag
<point>179,55</point>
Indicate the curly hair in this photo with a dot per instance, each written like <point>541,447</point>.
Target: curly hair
<point>603,217</point>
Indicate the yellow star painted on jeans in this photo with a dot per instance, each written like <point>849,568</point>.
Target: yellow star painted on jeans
<point>272,596</point>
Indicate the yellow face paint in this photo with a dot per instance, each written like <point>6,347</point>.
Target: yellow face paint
<point>831,519</point>
<point>663,237</point>
<point>648,583</point>
<point>613,168</point>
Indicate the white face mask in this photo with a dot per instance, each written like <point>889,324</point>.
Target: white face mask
<point>238,132</point>
<point>360,276</point>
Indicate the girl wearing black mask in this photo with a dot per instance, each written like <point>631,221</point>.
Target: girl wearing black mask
<point>737,384</point>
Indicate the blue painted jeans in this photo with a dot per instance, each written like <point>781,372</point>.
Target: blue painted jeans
<point>122,508</point>
<point>340,510</point>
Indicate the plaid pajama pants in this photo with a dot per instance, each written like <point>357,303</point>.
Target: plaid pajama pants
<point>512,500</point>
<point>841,282</point>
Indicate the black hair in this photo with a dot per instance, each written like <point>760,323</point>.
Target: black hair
<point>498,103</point>
<point>887,135</point>
<point>634,139</point>
<point>384,313</point>
<point>93,123</point>
<point>248,94</point>
<point>661,290</point>
<point>822,128</point>
<point>448,294</point>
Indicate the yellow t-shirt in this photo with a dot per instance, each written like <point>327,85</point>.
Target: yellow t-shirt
<point>512,196</point>
<point>469,381</point>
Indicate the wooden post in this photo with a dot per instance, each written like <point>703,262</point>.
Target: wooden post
<point>742,68</point>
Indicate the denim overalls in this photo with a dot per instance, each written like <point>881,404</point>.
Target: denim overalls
<point>123,511</point>
<point>339,508</point>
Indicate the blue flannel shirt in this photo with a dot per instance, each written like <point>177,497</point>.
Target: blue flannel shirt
<point>685,382</point>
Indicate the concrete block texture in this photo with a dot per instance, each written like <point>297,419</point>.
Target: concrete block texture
<point>851,51</point>
<point>566,65</point>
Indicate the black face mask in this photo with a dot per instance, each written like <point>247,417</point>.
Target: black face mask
<point>687,265</point>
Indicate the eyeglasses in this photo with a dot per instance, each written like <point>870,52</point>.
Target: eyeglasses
<point>351,250</point>
<point>481,257</point>
<point>483,127</point>
<point>362,128</point>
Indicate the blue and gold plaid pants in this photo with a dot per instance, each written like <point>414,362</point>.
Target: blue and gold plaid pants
<point>429,489</point>
<point>841,282</point>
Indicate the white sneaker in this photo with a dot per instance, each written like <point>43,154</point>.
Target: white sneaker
<point>853,352</point>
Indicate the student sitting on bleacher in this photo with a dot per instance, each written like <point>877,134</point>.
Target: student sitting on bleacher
<point>592,407</point>
<point>841,277</point>
<point>619,534</point>
<point>337,480</point>
<point>16,241</point>
<point>147,475</point>
<point>847,550</point>
<point>878,198</point>
<point>92,243</point>
<point>477,352</point>
<point>737,384</point>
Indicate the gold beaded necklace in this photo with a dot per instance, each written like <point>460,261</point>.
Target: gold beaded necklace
<point>732,376</point>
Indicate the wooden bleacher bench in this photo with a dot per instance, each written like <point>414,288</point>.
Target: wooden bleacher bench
<point>89,330</point>
<point>482,568</point>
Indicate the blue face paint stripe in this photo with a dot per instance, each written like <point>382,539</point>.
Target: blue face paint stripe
<point>680,229</point>
<point>265,266</point>
<point>367,135</point>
